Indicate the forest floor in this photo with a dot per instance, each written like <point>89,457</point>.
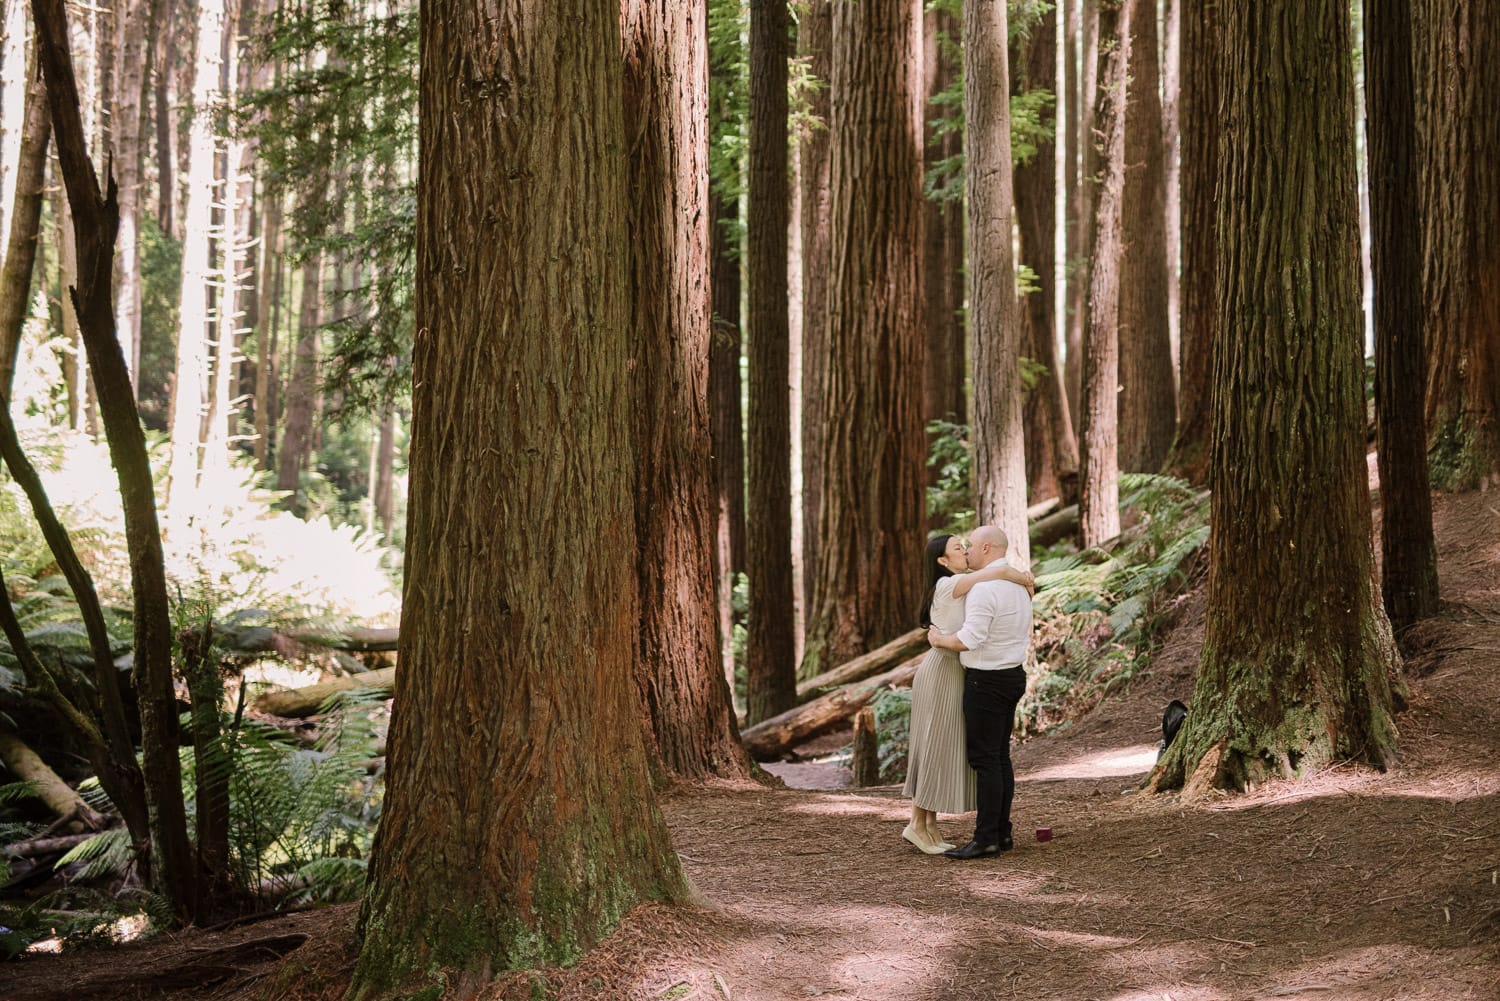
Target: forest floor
<point>1350,885</point>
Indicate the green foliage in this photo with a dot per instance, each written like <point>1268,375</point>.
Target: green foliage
<point>161,288</point>
<point>950,501</point>
<point>105,853</point>
<point>728,98</point>
<point>337,129</point>
<point>893,728</point>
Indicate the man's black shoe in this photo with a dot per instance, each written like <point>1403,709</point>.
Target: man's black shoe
<point>974,850</point>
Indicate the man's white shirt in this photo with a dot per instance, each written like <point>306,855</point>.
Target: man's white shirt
<point>997,626</point>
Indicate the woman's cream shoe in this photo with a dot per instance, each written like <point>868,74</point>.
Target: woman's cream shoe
<point>914,835</point>
<point>937,838</point>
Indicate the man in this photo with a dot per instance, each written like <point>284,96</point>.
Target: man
<point>992,647</point>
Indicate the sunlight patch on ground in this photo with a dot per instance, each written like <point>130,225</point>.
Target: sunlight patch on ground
<point>851,807</point>
<point>1134,760</point>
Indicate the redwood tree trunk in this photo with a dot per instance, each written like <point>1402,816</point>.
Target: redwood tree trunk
<point>1297,657</point>
<point>872,447</point>
<point>302,387</point>
<point>1461,238</point>
<point>514,755</point>
<point>1051,447</point>
<point>1147,398</point>
<point>1099,498</point>
<point>690,720</point>
<point>25,228</point>
<point>1198,108</point>
<point>1408,569</point>
<point>771,668</point>
<point>1081,233</point>
<point>815,44</point>
<point>999,469</point>
<point>942,275</point>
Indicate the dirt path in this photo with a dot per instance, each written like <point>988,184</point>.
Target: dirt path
<point>1350,886</point>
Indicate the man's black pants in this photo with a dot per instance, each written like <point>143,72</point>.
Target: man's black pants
<point>990,699</point>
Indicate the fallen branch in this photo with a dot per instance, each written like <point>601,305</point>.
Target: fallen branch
<point>38,847</point>
<point>772,738</point>
<point>62,799</point>
<point>299,702</point>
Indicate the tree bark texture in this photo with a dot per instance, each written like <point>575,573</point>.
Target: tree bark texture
<point>519,821</point>
<point>125,123</point>
<point>1148,394</point>
<point>164,53</point>
<point>268,273</point>
<point>1199,112</point>
<point>1297,667</point>
<point>1408,568</point>
<point>942,272</point>
<point>770,653</point>
<point>999,469</point>
<point>726,416</point>
<point>872,447</point>
<point>1461,238</point>
<point>95,216</point>
<point>385,472</point>
<point>1051,446</point>
<point>690,720</point>
<point>815,45</point>
<point>1081,235</point>
<point>302,388</point>
<point>25,228</point>
<point>1099,495</point>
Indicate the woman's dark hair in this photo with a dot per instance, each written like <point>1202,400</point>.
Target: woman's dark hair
<point>936,549</point>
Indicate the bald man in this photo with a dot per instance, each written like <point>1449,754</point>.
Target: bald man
<point>992,647</point>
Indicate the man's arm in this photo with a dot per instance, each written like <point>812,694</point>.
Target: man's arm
<point>978,616</point>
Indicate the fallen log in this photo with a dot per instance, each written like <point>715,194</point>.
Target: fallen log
<point>882,658</point>
<point>770,739</point>
<point>299,702</point>
<point>253,640</point>
<point>1055,526</point>
<point>62,799</point>
<point>47,846</point>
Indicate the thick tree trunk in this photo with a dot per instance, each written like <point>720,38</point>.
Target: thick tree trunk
<point>1199,110</point>
<point>1099,497</point>
<point>1051,447</point>
<point>125,123</point>
<point>815,45</point>
<point>95,214</point>
<point>1081,233</point>
<point>191,387</point>
<point>1287,686</point>
<point>1071,12</point>
<point>999,469</point>
<point>1148,397</point>
<point>302,388</point>
<point>942,275</point>
<point>25,229</point>
<point>770,650</point>
<point>1408,569</point>
<point>1461,238</point>
<point>690,720</point>
<point>512,756</point>
<point>872,447</point>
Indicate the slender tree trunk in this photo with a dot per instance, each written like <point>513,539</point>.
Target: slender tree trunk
<point>513,756</point>
<point>164,52</point>
<point>1071,12</point>
<point>268,286</point>
<point>815,45</point>
<point>1461,238</point>
<point>1081,237</point>
<point>1171,119</point>
<point>191,388</point>
<point>690,720</point>
<point>385,472</point>
<point>1287,686</point>
<point>302,388</point>
<point>942,307</point>
<point>871,516</point>
<point>1147,398</point>
<point>1099,500</point>
<point>25,230</point>
<point>74,361</point>
<point>771,642</point>
<point>1051,447</point>
<point>999,450</point>
<point>1199,109</point>
<point>1408,570</point>
<point>16,76</point>
<point>126,118</point>
<point>172,870</point>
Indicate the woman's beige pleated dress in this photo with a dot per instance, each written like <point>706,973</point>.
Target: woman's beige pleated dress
<point>938,776</point>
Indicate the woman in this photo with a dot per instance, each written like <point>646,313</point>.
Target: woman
<point>938,777</point>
